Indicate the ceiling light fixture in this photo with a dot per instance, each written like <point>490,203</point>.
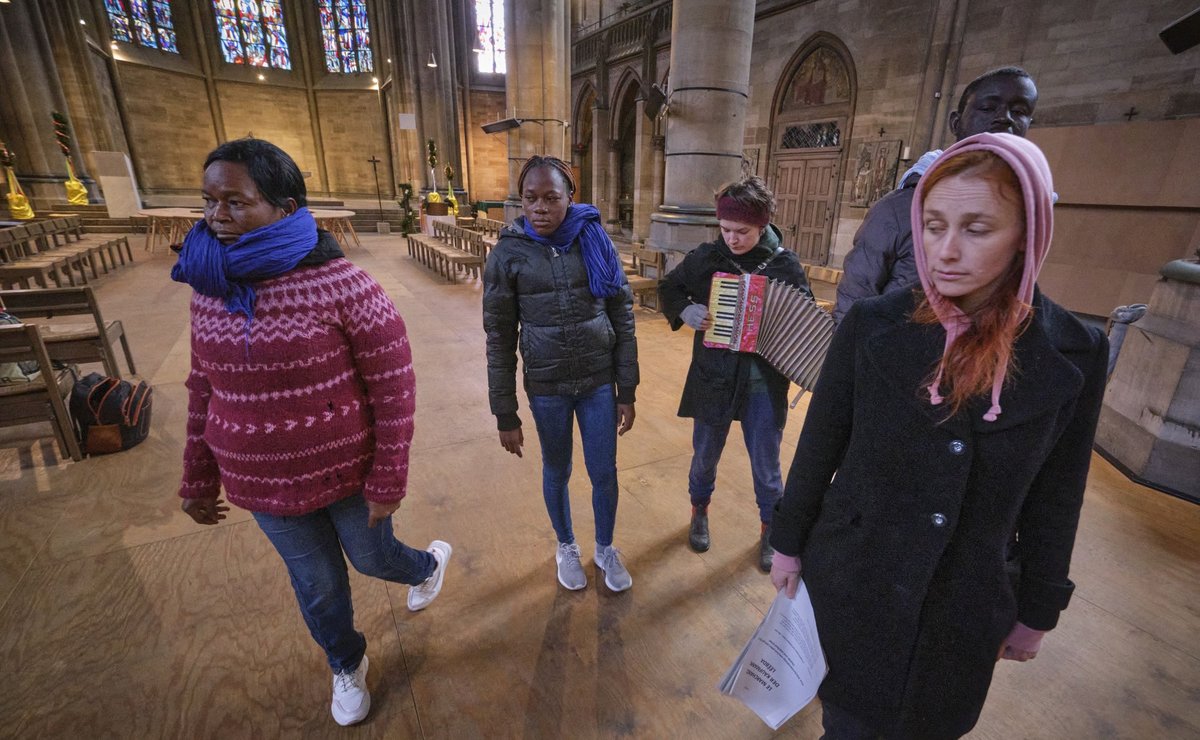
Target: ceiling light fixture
<point>432,63</point>
<point>262,77</point>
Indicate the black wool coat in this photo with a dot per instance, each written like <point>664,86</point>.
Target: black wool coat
<point>903,551</point>
<point>718,380</point>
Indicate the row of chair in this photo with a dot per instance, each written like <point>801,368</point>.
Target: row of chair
<point>490,227</point>
<point>450,249</point>
<point>56,251</point>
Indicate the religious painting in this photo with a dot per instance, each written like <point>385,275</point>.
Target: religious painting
<point>750,157</point>
<point>875,171</point>
<point>821,79</point>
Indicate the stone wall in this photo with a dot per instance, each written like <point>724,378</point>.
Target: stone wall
<point>352,132</point>
<point>489,152</point>
<point>277,114</point>
<point>170,138</point>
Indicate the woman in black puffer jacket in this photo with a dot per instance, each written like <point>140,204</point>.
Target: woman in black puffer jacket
<point>554,286</point>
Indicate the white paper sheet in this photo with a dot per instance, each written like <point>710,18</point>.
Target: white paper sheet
<point>778,672</point>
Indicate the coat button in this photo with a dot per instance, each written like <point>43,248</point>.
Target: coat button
<point>939,520</point>
<point>957,446</point>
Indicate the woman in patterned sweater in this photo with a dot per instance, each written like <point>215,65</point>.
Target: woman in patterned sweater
<point>300,400</point>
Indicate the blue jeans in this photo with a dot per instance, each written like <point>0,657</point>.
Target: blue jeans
<point>311,546</point>
<point>762,443</point>
<point>597,414</point>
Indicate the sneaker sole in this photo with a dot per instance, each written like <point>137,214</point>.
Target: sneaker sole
<point>441,575</point>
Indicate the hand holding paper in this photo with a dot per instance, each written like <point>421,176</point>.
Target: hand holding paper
<point>780,669</point>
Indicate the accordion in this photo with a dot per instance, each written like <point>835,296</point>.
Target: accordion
<point>772,319</point>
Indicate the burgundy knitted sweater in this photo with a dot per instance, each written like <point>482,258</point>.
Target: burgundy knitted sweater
<point>317,406</point>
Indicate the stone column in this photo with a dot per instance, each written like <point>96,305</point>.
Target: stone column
<point>430,35</point>
<point>601,159</point>
<point>537,85</point>
<point>710,80</point>
<point>644,204</point>
<point>657,174</point>
<point>612,186</point>
<point>31,88</point>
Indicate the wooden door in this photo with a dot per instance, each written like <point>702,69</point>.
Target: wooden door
<point>805,190</point>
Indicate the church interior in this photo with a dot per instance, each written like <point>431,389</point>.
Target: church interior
<point>410,120</point>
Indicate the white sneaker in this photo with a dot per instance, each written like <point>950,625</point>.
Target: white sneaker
<point>616,577</point>
<point>570,569</point>
<point>351,700</point>
<point>423,594</point>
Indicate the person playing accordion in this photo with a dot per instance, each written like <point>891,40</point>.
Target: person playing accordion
<point>723,386</point>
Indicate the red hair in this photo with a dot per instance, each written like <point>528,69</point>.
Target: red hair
<point>969,366</point>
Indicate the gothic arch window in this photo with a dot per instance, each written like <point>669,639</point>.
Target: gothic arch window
<point>346,36</point>
<point>489,32</point>
<point>252,32</point>
<point>146,22</point>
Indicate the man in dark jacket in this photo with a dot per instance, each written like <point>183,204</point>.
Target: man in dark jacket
<point>722,385</point>
<point>999,101</point>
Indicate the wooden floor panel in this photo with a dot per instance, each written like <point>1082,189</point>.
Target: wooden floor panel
<point>119,617</point>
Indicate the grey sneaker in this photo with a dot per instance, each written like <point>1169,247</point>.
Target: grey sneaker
<point>570,570</point>
<point>423,594</point>
<point>616,577</point>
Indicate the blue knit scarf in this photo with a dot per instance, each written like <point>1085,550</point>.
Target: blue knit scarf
<point>228,272</point>
<point>605,276</point>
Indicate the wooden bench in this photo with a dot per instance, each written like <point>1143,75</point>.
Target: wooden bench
<point>450,249</point>
<point>71,343</point>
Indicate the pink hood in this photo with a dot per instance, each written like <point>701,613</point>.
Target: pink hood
<point>1037,189</point>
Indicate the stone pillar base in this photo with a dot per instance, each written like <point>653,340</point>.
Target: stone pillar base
<point>1150,423</point>
<point>677,231</point>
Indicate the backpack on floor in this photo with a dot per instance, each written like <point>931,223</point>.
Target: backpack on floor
<point>110,414</point>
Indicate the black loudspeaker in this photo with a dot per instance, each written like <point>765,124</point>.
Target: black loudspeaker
<point>655,100</point>
<point>1183,34</point>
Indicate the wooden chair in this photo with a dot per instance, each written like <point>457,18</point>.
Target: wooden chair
<point>40,399</point>
<point>71,343</point>
<point>648,269</point>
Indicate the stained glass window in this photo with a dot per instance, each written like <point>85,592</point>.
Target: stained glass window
<point>346,35</point>
<point>145,22</point>
<point>489,25</point>
<point>252,32</point>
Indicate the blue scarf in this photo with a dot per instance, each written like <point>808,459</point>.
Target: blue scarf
<point>228,272</point>
<point>600,260</point>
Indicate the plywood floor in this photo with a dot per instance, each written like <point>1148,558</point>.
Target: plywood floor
<point>121,618</point>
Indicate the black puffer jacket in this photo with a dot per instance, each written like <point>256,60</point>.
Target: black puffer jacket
<point>571,341</point>
<point>882,257</point>
<point>718,380</point>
